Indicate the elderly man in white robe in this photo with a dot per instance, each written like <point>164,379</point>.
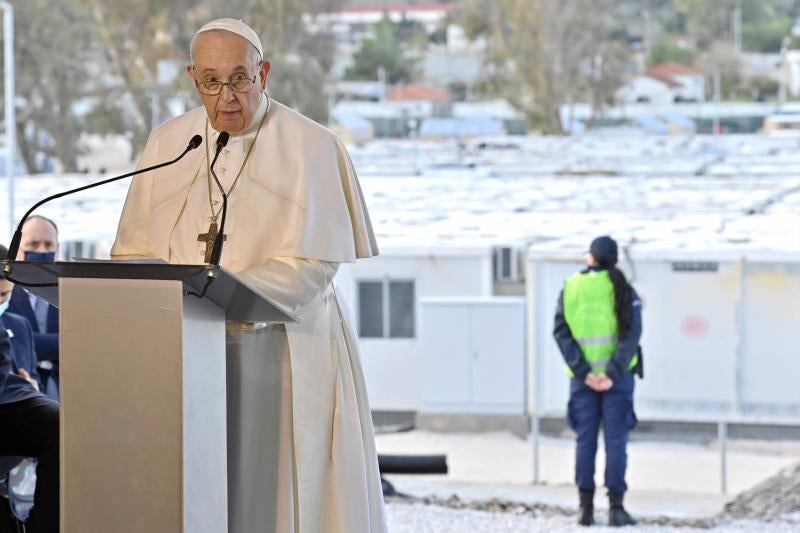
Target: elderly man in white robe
<point>301,448</point>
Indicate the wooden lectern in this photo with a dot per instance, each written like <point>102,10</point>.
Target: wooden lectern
<point>143,398</point>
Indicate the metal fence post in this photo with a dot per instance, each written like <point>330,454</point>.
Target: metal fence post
<point>722,436</point>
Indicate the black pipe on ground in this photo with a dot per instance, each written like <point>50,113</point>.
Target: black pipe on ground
<point>409,464</point>
<point>412,464</point>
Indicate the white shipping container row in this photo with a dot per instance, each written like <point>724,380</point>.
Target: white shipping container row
<point>721,337</point>
<point>721,342</point>
<point>721,334</point>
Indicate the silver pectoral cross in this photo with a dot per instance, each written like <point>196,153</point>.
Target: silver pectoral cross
<point>209,237</point>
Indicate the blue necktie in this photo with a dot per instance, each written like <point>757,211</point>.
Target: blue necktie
<point>40,310</point>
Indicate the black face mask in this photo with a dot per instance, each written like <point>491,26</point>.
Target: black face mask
<point>40,257</point>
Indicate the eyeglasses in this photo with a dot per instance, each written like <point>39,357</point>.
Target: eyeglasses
<point>239,84</point>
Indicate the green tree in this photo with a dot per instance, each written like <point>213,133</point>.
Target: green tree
<point>139,34</point>
<point>707,21</point>
<point>542,54</point>
<point>766,36</point>
<point>301,58</point>
<point>665,49</point>
<point>384,50</point>
<point>93,66</point>
<point>53,75</point>
<point>134,36</point>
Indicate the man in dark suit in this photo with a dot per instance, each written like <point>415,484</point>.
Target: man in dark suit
<point>21,338</point>
<point>28,419</point>
<point>40,243</point>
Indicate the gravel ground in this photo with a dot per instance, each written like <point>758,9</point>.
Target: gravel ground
<point>453,505</point>
<point>776,496</point>
<point>772,506</point>
<point>421,517</point>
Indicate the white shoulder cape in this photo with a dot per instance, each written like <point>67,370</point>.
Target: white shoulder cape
<point>303,199</point>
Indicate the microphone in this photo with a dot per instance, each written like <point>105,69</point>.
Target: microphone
<point>15,241</point>
<point>216,251</point>
<point>222,140</point>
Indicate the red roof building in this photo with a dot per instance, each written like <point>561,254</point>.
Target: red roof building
<point>417,92</point>
<point>671,72</point>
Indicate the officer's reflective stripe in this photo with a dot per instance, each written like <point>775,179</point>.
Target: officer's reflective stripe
<point>600,363</point>
<point>597,341</point>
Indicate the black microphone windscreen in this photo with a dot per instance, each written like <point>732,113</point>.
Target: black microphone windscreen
<point>196,141</point>
<point>222,140</point>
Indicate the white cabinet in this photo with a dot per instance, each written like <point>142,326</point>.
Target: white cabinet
<point>473,355</point>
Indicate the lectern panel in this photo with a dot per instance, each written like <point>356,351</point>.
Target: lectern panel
<point>143,426</point>
<point>121,346</point>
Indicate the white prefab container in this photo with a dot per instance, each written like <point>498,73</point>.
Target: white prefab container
<point>390,351</point>
<point>721,335</point>
<point>473,356</point>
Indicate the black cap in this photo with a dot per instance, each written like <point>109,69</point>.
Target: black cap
<point>604,250</point>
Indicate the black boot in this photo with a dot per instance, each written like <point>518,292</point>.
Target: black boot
<point>617,515</point>
<point>586,517</point>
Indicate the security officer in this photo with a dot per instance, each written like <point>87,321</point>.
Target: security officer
<point>598,324</point>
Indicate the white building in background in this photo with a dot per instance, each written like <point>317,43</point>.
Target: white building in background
<point>458,61</point>
<point>645,90</point>
<point>664,83</point>
<point>430,15</point>
<point>351,24</point>
<point>359,91</point>
<point>350,127</point>
<point>389,118</point>
<point>758,65</point>
<point>442,66</point>
<point>791,72</point>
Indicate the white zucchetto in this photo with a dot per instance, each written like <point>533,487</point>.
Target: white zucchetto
<point>234,26</point>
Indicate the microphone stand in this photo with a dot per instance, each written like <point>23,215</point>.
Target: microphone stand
<point>216,251</point>
<point>15,241</point>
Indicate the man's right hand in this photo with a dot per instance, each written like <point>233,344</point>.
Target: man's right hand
<point>27,377</point>
<point>592,381</point>
<point>598,382</point>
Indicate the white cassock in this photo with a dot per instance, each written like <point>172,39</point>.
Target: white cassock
<point>301,448</point>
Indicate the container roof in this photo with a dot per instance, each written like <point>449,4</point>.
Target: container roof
<point>715,195</point>
<point>719,195</point>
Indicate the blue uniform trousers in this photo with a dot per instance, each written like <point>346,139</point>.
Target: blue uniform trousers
<point>613,408</point>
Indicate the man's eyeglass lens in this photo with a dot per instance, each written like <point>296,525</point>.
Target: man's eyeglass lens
<point>239,85</point>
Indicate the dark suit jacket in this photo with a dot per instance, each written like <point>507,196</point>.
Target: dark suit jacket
<point>45,342</point>
<point>20,354</point>
<point>22,342</point>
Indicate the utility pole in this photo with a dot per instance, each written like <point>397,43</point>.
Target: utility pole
<point>785,71</point>
<point>717,88</point>
<point>646,41</point>
<point>382,81</point>
<point>11,121</point>
<point>736,23</point>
